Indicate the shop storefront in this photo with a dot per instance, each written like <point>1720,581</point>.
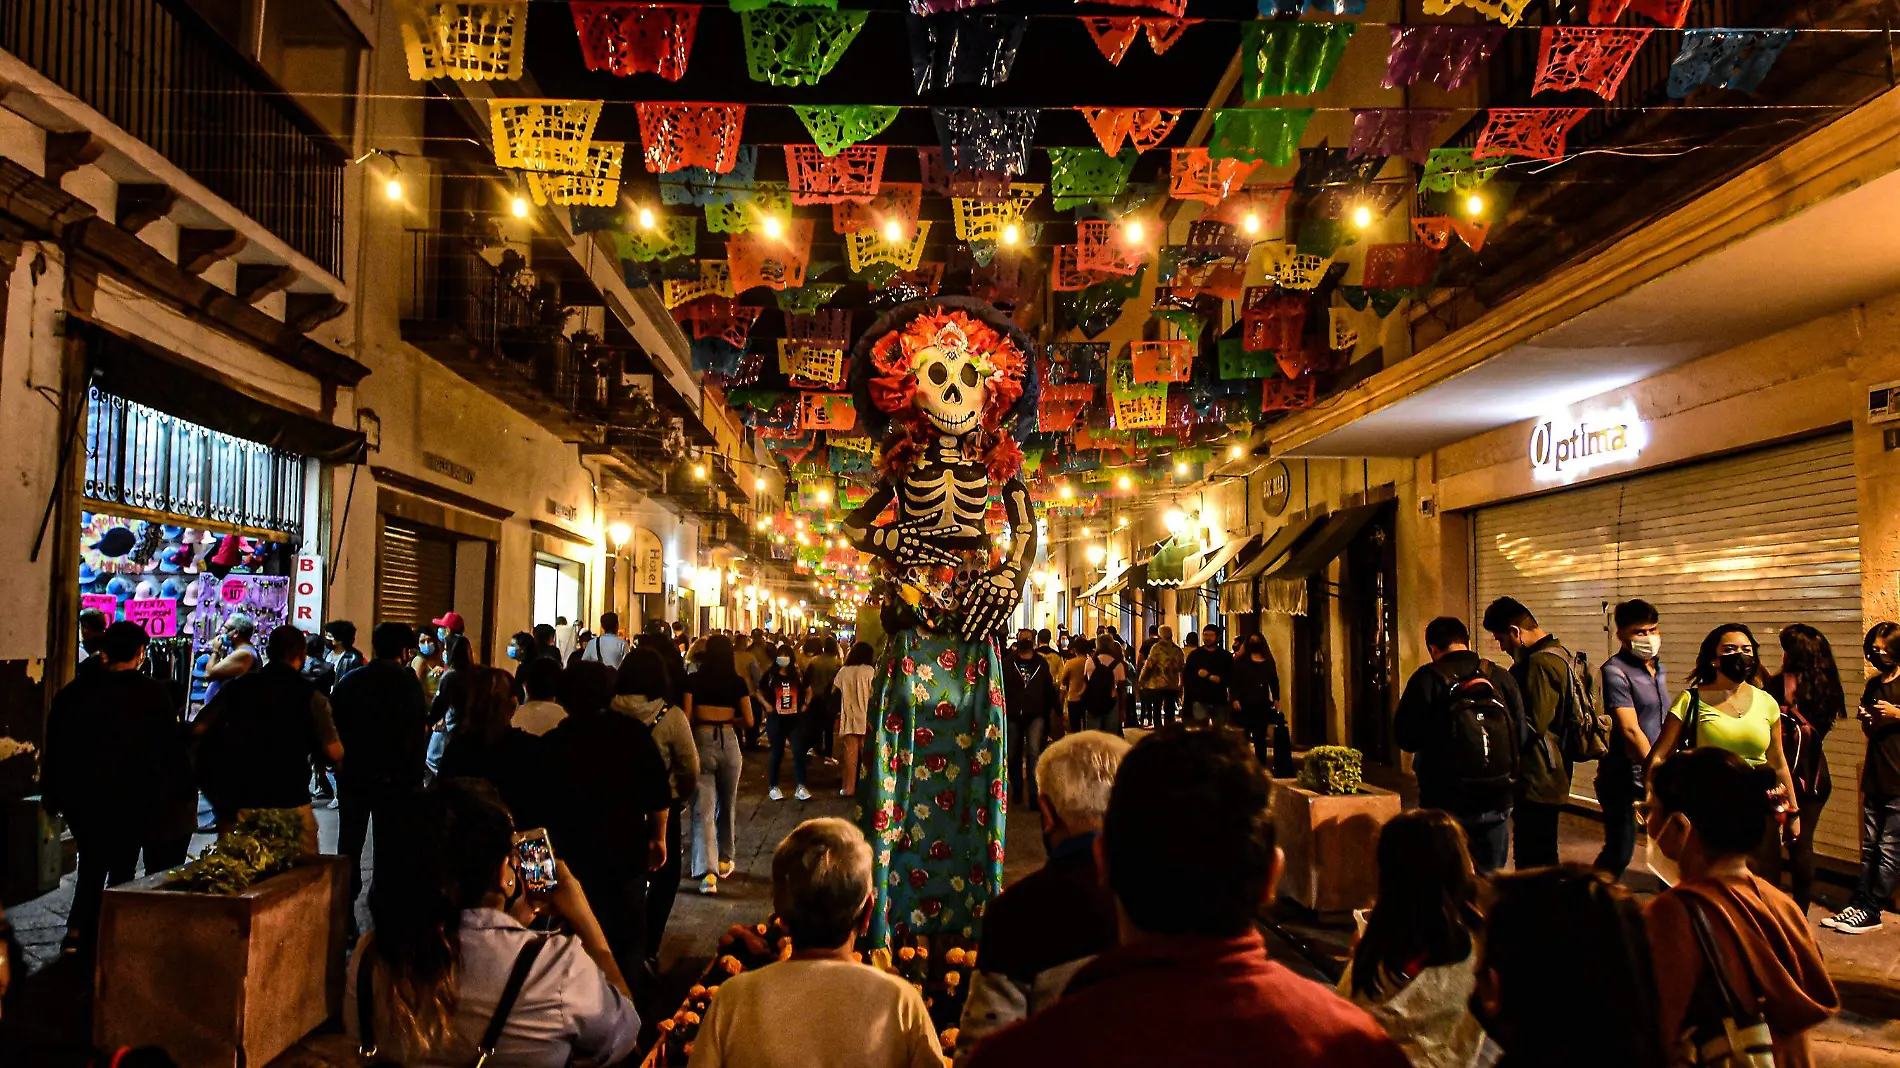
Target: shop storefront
<point>1766,537</point>
<point>436,552</point>
<point>196,501</point>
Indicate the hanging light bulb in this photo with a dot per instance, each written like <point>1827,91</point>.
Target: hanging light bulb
<point>1131,231</point>
<point>1362,217</point>
<point>758,484</point>
<point>824,496</point>
<point>1012,234</point>
<point>393,188</point>
<point>646,218</point>
<point>1120,522</point>
<point>1235,451</point>
<point>1250,222</point>
<point>1094,554</point>
<point>519,205</point>
<point>1474,204</point>
<point>1125,482</point>
<point>1067,492</point>
<point>773,228</point>
<point>1087,533</point>
<point>893,232</point>
<point>699,470</point>
<point>765,524</point>
<point>1181,467</point>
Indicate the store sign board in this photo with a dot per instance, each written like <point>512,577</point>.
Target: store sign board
<point>1563,448</point>
<point>649,562</point>
<point>306,593</point>
<point>158,615</point>
<point>104,602</point>
<point>1277,486</point>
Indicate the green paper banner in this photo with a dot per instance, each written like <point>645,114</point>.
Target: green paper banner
<point>1271,135</point>
<point>834,128</point>
<point>796,46</point>
<point>1292,58</point>
<point>1088,175</point>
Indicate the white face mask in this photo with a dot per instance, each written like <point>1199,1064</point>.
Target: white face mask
<point>1659,863</point>
<point>1647,646</point>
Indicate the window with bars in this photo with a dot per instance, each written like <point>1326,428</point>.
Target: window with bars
<point>139,457</point>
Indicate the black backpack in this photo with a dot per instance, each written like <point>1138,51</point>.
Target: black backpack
<point>1484,739</point>
<point>1582,732</point>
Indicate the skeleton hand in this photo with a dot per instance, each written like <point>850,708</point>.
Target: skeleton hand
<point>914,544</point>
<point>988,603</point>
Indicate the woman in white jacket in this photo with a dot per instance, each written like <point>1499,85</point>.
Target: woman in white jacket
<point>641,693</point>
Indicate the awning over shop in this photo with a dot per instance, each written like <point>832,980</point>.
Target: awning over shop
<point>1284,589</point>
<point>1111,583</point>
<point>1170,563</point>
<point>1214,561</point>
<point>140,371</point>
<point>1238,593</point>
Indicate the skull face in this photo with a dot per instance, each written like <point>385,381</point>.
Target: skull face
<point>951,388</point>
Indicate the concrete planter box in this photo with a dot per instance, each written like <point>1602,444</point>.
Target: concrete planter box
<point>222,981</point>
<point>1331,845</point>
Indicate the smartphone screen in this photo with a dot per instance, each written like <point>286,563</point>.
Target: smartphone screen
<point>535,855</point>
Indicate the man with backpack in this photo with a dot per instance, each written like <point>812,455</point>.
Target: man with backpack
<point>1464,718</point>
<point>1556,709</point>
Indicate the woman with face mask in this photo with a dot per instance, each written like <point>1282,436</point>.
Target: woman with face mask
<point>1809,689</point>
<point>1724,709</point>
<point>1706,812</point>
<point>1879,716</point>
<point>451,910</point>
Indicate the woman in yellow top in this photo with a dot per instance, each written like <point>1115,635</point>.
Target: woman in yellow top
<point>1731,712</point>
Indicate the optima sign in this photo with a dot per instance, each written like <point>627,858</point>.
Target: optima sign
<point>1565,448</point>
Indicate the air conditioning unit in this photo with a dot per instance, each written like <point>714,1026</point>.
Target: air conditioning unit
<point>1883,402</point>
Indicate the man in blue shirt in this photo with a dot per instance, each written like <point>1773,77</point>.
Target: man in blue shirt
<point>1636,694</point>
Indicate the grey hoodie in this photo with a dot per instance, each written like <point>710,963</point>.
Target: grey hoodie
<point>672,734</point>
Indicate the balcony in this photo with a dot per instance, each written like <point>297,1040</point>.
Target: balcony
<point>156,70</point>
<point>484,316</point>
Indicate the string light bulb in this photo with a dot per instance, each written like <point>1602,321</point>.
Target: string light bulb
<point>699,470</point>
<point>1067,492</point>
<point>1174,520</point>
<point>1132,231</point>
<point>1362,217</point>
<point>646,218</point>
<point>1012,234</point>
<point>1474,205</point>
<point>892,231</point>
<point>1181,467</point>
<point>773,228</point>
<point>1125,482</point>
<point>1236,451</point>
<point>1250,222</point>
<point>519,206</point>
<point>393,189</point>
<point>1094,553</point>
<point>824,496</point>
<point>1087,533</point>
<point>758,484</point>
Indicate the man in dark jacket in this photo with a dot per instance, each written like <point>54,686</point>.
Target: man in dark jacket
<point>260,733</point>
<point>1542,667</point>
<point>1187,848</point>
<point>382,720</point>
<point>1424,725</point>
<point>1029,697</point>
<point>608,805</point>
<point>116,768</point>
<point>1204,679</point>
<point>1042,930</point>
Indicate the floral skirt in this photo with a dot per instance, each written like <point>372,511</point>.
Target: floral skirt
<point>935,790</point>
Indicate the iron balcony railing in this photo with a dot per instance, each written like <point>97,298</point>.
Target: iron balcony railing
<point>512,331</point>
<point>142,458</point>
<point>161,73</point>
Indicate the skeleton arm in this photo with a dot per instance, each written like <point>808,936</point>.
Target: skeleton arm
<point>896,543</point>
<point>991,600</point>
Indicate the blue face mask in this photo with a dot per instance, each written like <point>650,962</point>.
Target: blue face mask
<point>514,652</point>
<point>782,661</point>
<point>442,633</point>
<point>427,648</point>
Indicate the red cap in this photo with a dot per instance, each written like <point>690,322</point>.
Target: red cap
<point>451,620</point>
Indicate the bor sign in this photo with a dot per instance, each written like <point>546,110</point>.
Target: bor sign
<point>306,593</point>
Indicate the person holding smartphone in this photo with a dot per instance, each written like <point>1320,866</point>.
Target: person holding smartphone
<point>784,691</point>
<point>451,906</point>
<point>1879,716</point>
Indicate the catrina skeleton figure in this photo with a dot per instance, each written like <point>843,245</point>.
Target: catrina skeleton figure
<point>949,375</point>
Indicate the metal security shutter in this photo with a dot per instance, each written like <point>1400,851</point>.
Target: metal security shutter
<point>415,575</point>
<point>1766,538</point>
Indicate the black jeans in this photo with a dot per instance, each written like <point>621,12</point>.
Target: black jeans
<point>617,894</point>
<point>664,885</point>
<point>1879,852</point>
<point>1618,791</point>
<point>1488,836</point>
<point>109,856</point>
<point>1158,706</point>
<point>1534,834</point>
<point>357,801</point>
<point>795,729</point>
<point>1026,736</point>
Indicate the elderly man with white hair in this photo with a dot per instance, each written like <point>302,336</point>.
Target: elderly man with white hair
<point>821,1006</point>
<point>1045,928</point>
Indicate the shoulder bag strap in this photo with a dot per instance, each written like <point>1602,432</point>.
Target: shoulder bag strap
<point>518,977</point>
<point>1691,715</point>
<point>1731,1003</point>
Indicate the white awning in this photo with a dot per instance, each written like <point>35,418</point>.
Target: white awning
<point>1108,580</point>
<point>1214,561</point>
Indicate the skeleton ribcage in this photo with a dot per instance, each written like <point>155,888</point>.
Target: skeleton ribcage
<point>943,495</point>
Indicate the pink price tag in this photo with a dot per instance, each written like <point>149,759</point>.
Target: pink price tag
<point>158,615</point>
<point>104,602</point>
<point>233,591</point>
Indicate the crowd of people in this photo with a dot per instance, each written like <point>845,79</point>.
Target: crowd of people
<point>1161,854</point>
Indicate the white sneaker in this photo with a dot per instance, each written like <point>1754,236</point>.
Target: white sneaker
<point>709,885</point>
<point>802,794</point>
<point>726,868</point>
<point>775,794</point>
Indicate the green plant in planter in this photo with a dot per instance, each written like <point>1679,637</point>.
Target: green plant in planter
<point>1331,769</point>
<point>261,844</point>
